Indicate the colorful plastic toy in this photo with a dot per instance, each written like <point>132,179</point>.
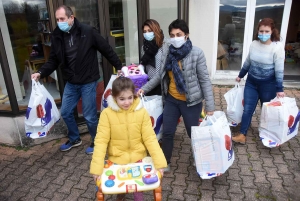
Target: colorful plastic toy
<point>134,177</point>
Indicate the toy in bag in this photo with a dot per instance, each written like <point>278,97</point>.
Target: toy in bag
<point>212,146</point>
<point>136,74</point>
<point>279,121</point>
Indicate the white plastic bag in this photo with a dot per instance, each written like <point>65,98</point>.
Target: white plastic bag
<point>279,121</point>
<point>41,113</point>
<point>235,104</point>
<point>107,92</point>
<point>154,106</point>
<point>212,146</point>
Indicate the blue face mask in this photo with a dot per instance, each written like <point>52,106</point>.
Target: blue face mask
<point>64,26</point>
<point>264,37</point>
<point>149,36</point>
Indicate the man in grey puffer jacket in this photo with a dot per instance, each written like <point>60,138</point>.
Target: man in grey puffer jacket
<point>185,84</point>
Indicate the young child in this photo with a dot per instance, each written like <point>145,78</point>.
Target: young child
<point>125,130</point>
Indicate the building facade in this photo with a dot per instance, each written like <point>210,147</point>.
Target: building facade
<point>224,29</point>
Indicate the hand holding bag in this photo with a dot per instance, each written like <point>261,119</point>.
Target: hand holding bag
<point>212,146</point>
<point>41,113</point>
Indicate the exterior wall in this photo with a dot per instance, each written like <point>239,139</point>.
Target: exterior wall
<point>203,25</point>
<point>13,132</point>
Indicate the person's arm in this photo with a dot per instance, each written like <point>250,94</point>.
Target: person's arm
<point>246,65</point>
<point>204,82</point>
<point>106,50</point>
<point>101,141</point>
<point>151,143</point>
<point>279,57</point>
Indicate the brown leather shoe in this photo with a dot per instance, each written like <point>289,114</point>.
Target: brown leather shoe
<point>239,138</point>
<point>121,197</point>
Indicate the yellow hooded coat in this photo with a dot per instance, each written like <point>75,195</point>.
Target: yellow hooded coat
<point>126,135</point>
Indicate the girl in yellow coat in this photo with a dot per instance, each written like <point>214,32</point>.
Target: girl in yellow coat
<point>125,131</point>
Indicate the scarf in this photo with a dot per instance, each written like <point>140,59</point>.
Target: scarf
<point>175,55</point>
<point>150,50</point>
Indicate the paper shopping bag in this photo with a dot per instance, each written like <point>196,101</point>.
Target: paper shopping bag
<point>41,113</point>
<point>279,121</point>
<point>212,146</point>
<point>154,106</point>
<point>107,92</point>
<point>235,104</point>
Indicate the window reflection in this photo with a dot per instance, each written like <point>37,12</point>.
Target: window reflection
<point>3,94</point>
<point>231,34</point>
<point>29,32</point>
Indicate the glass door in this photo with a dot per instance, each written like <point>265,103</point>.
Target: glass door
<point>123,27</point>
<point>232,20</point>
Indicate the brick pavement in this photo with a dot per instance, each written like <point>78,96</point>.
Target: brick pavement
<point>44,173</point>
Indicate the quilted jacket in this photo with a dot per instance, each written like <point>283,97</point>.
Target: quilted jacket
<point>196,77</point>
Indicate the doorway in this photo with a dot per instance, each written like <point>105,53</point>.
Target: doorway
<point>292,46</point>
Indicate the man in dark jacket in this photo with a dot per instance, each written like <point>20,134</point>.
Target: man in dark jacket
<point>74,46</point>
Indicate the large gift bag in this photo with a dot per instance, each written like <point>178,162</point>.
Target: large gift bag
<point>235,104</point>
<point>154,106</point>
<point>212,146</point>
<point>279,121</point>
<point>107,92</point>
<point>41,113</point>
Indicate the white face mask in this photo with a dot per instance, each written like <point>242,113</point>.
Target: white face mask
<point>177,42</point>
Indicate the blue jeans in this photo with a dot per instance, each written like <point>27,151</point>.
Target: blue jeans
<point>71,96</point>
<point>254,91</point>
<point>173,109</point>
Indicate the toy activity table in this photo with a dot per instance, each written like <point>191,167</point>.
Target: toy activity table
<point>129,178</point>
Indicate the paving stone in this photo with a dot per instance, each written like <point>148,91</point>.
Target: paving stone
<point>221,192</point>
<point>39,174</point>
<point>272,173</point>
<point>250,194</point>
<point>206,195</point>
<point>294,193</point>
<point>248,182</point>
<point>191,197</point>
<point>233,174</point>
<point>243,159</point>
<point>221,180</point>
<point>166,184</point>
<point>282,195</point>
<point>30,161</point>
<point>289,155</point>
<point>288,179</point>
<point>16,195</point>
<point>264,191</point>
<point>264,152</point>
<point>180,179</point>
<point>43,183</point>
<point>90,193</point>
<point>67,187</point>
<point>192,188</point>
<point>17,162</point>
<point>182,167</point>
<point>4,172</point>
<point>59,196</point>
<point>83,183</point>
<point>246,170</point>
<point>177,192</point>
<point>207,184</point>
<point>276,184</point>
<point>236,197</point>
<point>278,159</point>
<point>61,178</point>
<point>260,177</point>
<point>268,162</point>
<point>282,169</point>
<point>41,199</point>
<point>235,187</point>
<point>33,193</point>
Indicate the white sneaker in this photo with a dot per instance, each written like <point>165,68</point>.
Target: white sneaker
<point>167,169</point>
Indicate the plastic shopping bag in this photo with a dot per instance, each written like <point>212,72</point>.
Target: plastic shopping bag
<point>41,113</point>
<point>279,121</point>
<point>107,92</point>
<point>154,106</point>
<point>235,104</point>
<point>212,146</point>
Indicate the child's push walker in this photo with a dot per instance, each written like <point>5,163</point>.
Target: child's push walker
<point>130,178</point>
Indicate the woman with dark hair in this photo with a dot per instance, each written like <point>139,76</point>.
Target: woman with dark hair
<point>264,65</point>
<point>152,51</point>
<point>185,84</point>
